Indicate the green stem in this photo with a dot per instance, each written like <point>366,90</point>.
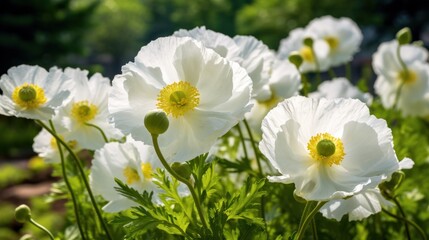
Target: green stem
<point>407,230</point>
<point>401,62</point>
<point>100,130</point>
<point>332,73</point>
<point>180,178</point>
<point>314,229</point>
<point>305,85</point>
<point>240,133</point>
<point>419,229</point>
<point>261,173</point>
<point>42,228</point>
<point>308,218</point>
<point>349,71</point>
<point>83,177</point>
<point>398,93</point>
<point>316,62</point>
<point>255,149</point>
<point>69,187</point>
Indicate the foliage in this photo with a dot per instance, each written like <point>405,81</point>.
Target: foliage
<point>42,32</point>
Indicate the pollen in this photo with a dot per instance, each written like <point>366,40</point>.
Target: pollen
<point>83,111</point>
<point>407,76</point>
<point>307,54</point>
<point>147,171</point>
<point>178,98</point>
<point>325,148</point>
<point>29,96</point>
<point>131,175</point>
<point>333,42</point>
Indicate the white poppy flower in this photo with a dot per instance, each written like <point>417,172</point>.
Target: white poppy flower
<point>342,35</point>
<point>250,53</point>
<point>284,83</point>
<point>46,146</point>
<point>329,148</point>
<point>361,205</point>
<point>414,83</point>
<point>131,162</point>
<point>203,95</point>
<point>295,42</point>
<point>87,106</point>
<point>222,44</point>
<point>32,92</point>
<point>340,88</point>
<point>257,60</point>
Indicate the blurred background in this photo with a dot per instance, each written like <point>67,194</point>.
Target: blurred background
<point>103,35</point>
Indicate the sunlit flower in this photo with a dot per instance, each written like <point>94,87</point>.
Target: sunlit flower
<point>284,83</point>
<point>391,76</point>
<point>222,44</point>
<point>257,60</point>
<point>340,88</point>
<point>249,52</point>
<point>329,148</point>
<point>32,92</point>
<point>342,35</point>
<point>131,162</point>
<point>46,146</point>
<point>86,109</point>
<point>361,205</point>
<point>203,95</point>
<point>295,42</point>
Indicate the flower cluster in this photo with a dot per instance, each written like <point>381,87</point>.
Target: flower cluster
<point>159,127</point>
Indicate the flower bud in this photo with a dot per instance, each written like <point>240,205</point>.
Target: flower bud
<point>388,188</point>
<point>156,122</point>
<point>296,59</point>
<point>22,213</point>
<point>308,41</point>
<point>182,169</point>
<point>404,36</point>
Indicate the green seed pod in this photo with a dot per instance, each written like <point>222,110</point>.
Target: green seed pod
<point>156,122</point>
<point>404,36</point>
<point>22,213</point>
<point>296,59</point>
<point>308,41</point>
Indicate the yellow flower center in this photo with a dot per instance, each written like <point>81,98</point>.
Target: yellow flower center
<point>272,102</point>
<point>29,96</point>
<point>178,98</point>
<point>307,54</point>
<point>131,175</point>
<point>325,148</point>
<point>83,111</point>
<point>147,170</point>
<point>333,42</point>
<point>54,144</point>
<point>407,77</point>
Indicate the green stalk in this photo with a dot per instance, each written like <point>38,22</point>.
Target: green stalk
<point>407,229</point>
<point>261,173</point>
<point>308,218</point>
<point>42,228</point>
<point>240,133</point>
<point>100,130</point>
<point>83,177</point>
<point>180,178</point>
<point>69,187</point>
<point>255,149</point>
<point>419,229</point>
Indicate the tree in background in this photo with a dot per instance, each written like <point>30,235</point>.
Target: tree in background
<point>42,32</point>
